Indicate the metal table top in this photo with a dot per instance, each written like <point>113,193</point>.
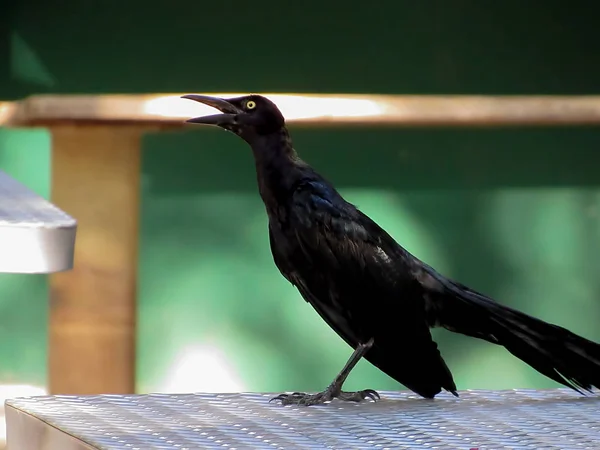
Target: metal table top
<point>516,419</point>
<point>35,235</point>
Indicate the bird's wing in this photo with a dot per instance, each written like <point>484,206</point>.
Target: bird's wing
<point>360,282</point>
<point>335,318</point>
<point>344,264</point>
<point>333,231</point>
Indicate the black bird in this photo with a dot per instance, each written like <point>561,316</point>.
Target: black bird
<point>377,296</point>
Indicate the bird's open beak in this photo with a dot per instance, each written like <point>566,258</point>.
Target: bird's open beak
<point>228,110</point>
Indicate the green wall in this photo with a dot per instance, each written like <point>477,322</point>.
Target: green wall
<point>24,154</point>
<point>426,46</point>
<point>512,212</point>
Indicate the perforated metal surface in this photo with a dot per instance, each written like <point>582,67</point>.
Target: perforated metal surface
<point>35,235</point>
<point>552,419</point>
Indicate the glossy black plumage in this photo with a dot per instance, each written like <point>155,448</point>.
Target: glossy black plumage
<point>367,287</point>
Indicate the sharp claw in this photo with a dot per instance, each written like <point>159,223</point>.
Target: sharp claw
<point>297,398</point>
<point>373,395</point>
<point>280,397</point>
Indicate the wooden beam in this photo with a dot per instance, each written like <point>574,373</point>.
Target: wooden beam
<point>95,178</point>
<point>170,110</point>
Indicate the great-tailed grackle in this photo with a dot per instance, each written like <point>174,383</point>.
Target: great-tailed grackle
<point>377,296</point>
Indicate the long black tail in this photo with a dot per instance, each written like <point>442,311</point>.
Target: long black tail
<point>553,351</point>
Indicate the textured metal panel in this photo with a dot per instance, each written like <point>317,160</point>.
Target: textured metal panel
<point>519,419</point>
<point>35,236</point>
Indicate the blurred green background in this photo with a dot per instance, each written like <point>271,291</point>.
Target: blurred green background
<point>514,213</point>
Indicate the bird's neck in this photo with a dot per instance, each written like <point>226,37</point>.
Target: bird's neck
<point>278,166</point>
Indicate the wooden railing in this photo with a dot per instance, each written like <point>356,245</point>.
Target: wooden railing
<point>311,109</point>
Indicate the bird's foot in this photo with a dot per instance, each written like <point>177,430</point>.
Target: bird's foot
<point>300,398</point>
<point>335,388</point>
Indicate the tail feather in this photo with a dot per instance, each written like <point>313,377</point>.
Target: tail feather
<point>554,351</point>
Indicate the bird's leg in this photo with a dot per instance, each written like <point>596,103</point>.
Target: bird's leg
<point>335,388</point>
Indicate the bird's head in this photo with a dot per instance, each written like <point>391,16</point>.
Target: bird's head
<point>248,116</point>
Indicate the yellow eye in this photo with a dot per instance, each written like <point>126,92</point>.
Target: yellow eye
<point>250,104</point>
